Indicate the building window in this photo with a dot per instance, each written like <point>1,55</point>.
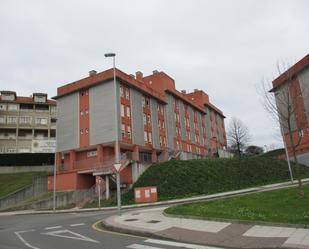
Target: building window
<point>81,113</point>
<point>123,131</point>
<point>86,111</point>
<point>145,101</point>
<point>41,121</point>
<point>144,119</point>
<point>159,124</point>
<point>145,137</point>
<point>128,112</point>
<point>25,120</point>
<point>12,107</point>
<point>53,109</point>
<point>149,137</point>
<point>87,130</point>
<point>11,120</point>
<point>10,97</point>
<point>127,93</point>
<point>2,107</point>
<point>122,110</point>
<point>148,119</point>
<point>81,131</point>
<point>121,91</point>
<point>92,153</point>
<point>129,131</point>
<point>2,119</point>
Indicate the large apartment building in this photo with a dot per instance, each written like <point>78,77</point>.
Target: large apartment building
<point>156,123</point>
<point>27,124</point>
<point>291,89</point>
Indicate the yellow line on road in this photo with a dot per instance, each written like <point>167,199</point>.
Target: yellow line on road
<point>95,227</point>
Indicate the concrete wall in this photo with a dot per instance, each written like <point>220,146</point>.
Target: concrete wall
<point>170,121</point>
<point>20,169</point>
<point>39,186</point>
<point>281,100</point>
<point>102,113</point>
<point>182,120</point>
<point>192,124</point>
<point>154,120</point>
<point>68,122</point>
<point>199,118</point>
<point>303,78</point>
<point>137,117</point>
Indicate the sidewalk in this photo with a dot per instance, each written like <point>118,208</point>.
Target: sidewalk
<point>152,222</point>
<point>161,203</point>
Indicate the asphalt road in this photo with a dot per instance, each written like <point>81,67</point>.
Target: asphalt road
<point>69,231</point>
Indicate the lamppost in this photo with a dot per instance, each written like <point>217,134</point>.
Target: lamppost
<point>117,164</point>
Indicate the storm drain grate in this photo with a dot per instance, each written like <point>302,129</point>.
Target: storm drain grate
<point>131,220</point>
<point>153,221</point>
<point>136,214</point>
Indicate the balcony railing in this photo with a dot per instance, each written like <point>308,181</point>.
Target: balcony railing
<point>107,165</point>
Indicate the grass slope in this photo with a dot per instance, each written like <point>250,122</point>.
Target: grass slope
<point>179,179</point>
<point>10,183</point>
<point>280,206</point>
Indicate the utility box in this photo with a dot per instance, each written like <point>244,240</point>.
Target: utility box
<point>146,194</point>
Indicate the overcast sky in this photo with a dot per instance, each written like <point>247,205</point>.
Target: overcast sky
<point>225,48</point>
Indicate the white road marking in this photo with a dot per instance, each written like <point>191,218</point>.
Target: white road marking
<point>49,228</point>
<point>76,225</point>
<point>138,246</point>
<point>178,244</point>
<point>77,236</point>
<point>23,240</point>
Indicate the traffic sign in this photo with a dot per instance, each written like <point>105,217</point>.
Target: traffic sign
<point>117,166</point>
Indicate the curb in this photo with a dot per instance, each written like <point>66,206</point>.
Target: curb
<point>245,222</point>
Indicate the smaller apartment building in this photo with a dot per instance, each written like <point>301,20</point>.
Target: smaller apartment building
<point>27,124</point>
<point>156,123</point>
<point>295,81</point>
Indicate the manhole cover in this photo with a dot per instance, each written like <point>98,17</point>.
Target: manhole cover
<point>136,214</point>
<point>153,221</point>
<point>131,220</point>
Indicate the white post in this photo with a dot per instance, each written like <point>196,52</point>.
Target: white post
<point>287,156</point>
<point>99,192</point>
<point>118,193</point>
<point>107,187</point>
<point>54,183</point>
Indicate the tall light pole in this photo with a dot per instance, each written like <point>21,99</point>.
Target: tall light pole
<point>117,164</point>
<point>54,182</point>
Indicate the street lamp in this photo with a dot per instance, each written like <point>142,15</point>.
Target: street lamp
<point>117,157</point>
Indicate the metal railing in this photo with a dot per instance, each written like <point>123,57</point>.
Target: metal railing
<point>106,165</point>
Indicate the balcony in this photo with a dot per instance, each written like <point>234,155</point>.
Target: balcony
<point>91,165</point>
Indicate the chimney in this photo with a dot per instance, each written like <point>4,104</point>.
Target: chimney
<point>183,91</point>
<point>155,71</point>
<point>139,75</point>
<point>132,76</point>
<point>195,90</point>
<point>92,72</point>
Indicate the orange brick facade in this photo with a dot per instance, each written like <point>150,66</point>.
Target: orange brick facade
<point>156,123</point>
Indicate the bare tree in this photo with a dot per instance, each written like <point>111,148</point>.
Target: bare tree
<point>238,136</point>
<point>283,103</point>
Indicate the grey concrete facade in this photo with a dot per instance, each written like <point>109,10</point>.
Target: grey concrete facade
<point>154,119</point>
<point>303,78</point>
<point>102,113</point>
<point>170,121</point>
<point>182,120</point>
<point>68,122</point>
<point>137,117</point>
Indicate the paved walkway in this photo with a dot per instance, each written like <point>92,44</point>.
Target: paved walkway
<point>220,234</point>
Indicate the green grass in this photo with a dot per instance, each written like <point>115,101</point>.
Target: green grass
<point>180,179</point>
<point>10,183</point>
<point>278,206</point>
